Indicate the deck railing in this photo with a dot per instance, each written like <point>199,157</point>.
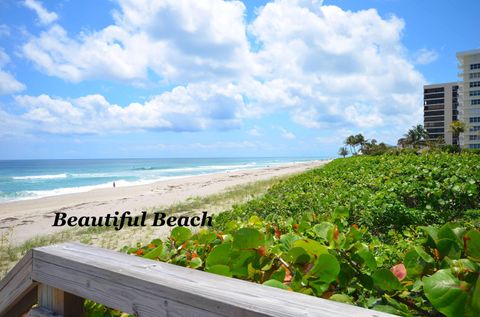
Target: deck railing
<point>56,279</point>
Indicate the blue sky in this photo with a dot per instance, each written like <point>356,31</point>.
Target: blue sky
<point>165,78</point>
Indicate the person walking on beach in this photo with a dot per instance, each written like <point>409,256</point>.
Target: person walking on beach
<point>113,184</point>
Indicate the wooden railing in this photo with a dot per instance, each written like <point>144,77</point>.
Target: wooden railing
<point>57,279</point>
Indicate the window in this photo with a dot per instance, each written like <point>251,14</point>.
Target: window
<point>475,101</point>
<point>475,66</point>
<point>474,119</point>
<point>454,118</point>
<point>433,124</point>
<point>474,75</point>
<point>430,90</point>
<point>434,107</point>
<point>433,96</point>
<point>439,118</point>
<point>475,129</point>
<point>434,102</point>
<point>435,130</point>
<point>434,113</point>
<point>474,84</point>
<point>474,137</point>
<point>474,146</point>
<point>474,93</point>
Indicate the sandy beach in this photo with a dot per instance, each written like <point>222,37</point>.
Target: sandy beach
<point>26,219</point>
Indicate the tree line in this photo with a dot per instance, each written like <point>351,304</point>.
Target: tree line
<point>416,137</point>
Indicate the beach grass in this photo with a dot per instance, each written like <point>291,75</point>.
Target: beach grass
<point>107,237</point>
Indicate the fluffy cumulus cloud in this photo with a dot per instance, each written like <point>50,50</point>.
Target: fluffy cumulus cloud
<point>188,108</point>
<point>8,83</point>
<point>178,40</point>
<point>327,67</point>
<point>44,16</point>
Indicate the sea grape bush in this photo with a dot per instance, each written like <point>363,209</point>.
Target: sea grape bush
<point>379,192</point>
<point>429,272</point>
<point>398,234</point>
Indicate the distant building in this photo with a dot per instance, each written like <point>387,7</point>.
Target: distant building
<point>469,93</point>
<point>447,102</point>
<point>440,108</point>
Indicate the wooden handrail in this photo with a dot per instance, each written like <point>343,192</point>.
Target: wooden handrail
<point>59,277</point>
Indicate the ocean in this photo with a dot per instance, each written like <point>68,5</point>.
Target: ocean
<point>29,179</point>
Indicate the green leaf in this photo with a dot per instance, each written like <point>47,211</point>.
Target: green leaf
<point>297,255</point>
<point>247,238</point>
<point>325,269</point>
<point>366,256</point>
<point>206,236</point>
<point>386,280</point>
<point>318,286</point>
<point>474,306</point>
<point>446,232</point>
<point>342,298</point>
<point>288,239</point>
<point>180,235</point>
<point>240,261</point>
<point>445,293</point>
<point>154,253</point>
<point>219,255</point>
<point>220,270</point>
<point>473,244</point>
<point>275,283</point>
<point>278,275</point>
<point>424,255</point>
<point>314,248</point>
<point>414,263</point>
<point>195,263</point>
<point>341,212</point>
<point>324,230</point>
<point>255,221</point>
<point>386,309</point>
<point>449,247</point>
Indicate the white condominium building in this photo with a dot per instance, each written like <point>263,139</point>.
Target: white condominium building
<point>469,97</point>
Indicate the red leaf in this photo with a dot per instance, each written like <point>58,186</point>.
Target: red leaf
<point>336,233</point>
<point>278,233</point>
<point>399,271</point>
<point>262,251</point>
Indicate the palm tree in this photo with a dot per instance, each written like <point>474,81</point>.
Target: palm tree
<point>360,141</point>
<point>351,142</point>
<point>343,151</point>
<point>457,127</point>
<point>402,143</point>
<point>416,136</point>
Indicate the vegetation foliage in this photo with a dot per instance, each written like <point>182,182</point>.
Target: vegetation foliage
<point>398,234</point>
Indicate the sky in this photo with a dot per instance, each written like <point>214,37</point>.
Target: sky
<point>214,78</point>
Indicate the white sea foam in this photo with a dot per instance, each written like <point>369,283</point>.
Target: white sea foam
<point>54,176</point>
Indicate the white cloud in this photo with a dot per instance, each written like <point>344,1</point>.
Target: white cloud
<point>329,68</point>
<point>178,40</point>
<point>336,68</point>
<point>8,83</point>
<point>425,56</point>
<point>286,134</point>
<point>45,17</point>
<point>191,108</point>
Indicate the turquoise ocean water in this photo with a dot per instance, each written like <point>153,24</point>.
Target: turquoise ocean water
<point>27,179</point>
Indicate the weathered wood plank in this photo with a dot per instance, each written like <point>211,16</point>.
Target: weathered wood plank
<point>149,288</point>
<point>16,288</point>
<point>60,302</point>
<point>22,306</point>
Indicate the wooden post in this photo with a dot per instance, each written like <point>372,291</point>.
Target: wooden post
<point>59,302</point>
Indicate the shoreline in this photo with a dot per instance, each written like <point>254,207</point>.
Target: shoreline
<point>22,220</point>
